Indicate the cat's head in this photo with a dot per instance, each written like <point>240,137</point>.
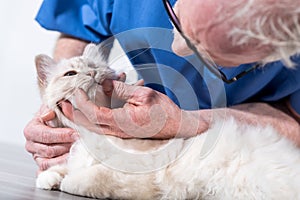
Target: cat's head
<point>59,80</point>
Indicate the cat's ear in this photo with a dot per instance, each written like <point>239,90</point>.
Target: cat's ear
<point>91,51</point>
<point>43,64</point>
<point>99,52</point>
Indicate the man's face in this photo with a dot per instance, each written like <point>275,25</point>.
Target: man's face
<point>209,25</point>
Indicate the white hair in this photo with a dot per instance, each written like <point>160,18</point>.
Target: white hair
<point>272,23</point>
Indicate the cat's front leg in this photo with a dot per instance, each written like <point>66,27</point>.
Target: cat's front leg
<point>51,178</point>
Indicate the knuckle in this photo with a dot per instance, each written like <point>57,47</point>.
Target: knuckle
<point>28,147</point>
<point>148,92</point>
<point>27,131</point>
<point>31,127</point>
<point>147,95</point>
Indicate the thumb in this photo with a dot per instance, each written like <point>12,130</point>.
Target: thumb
<point>46,114</point>
<point>124,91</point>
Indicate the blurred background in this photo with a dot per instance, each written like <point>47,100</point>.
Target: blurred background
<point>21,40</point>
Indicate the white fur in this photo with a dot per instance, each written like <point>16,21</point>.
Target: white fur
<point>246,162</point>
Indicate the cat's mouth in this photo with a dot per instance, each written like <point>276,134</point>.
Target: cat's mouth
<point>107,86</point>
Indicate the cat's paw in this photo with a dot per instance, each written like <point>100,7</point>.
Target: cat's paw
<point>48,180</point>
<point>70,185</point>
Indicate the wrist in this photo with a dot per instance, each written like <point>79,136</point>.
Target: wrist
<point>194,122</point>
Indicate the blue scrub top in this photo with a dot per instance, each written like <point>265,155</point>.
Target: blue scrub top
<point>145,33</point>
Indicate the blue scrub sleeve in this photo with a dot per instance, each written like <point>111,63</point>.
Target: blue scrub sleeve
<point>85,19</point>
<point>295,101</point>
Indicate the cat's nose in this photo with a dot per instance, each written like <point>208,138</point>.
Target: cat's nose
<point>91,73</point>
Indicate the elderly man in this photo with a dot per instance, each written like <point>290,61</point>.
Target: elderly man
<point>155,109</point>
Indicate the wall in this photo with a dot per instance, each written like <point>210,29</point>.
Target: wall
<point>21,40</point>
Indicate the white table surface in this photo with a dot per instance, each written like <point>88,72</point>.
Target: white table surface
<point>17,177</point>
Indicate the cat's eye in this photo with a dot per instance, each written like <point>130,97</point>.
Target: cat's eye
<point>70,73</point>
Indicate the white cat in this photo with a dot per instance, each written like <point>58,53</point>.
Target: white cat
<point>246,162</point>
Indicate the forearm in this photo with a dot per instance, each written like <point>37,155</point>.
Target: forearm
<point>67,47</point>
<point>256,114</point>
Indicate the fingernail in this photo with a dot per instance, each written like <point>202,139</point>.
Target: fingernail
<point>48,116</point>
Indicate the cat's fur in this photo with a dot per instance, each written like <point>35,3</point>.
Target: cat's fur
<point>246,162</point>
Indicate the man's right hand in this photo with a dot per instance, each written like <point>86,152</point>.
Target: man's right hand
<point>48,146</point>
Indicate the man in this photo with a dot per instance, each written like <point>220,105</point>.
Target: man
<point>180,95</point>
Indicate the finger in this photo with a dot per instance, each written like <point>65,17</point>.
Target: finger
<point>124,91</point>
<point>133,94</point>
<point>105,125</point>
<point>140,82</point>
<point>45,163</point>
<point>46,113</point>
<point>80,119</point>
<point>47,151</point>
<point>74,115</point>
<point>107,87</point>
<point>50,115</point>
<point>38,132</point>
<point>67,109</point>
<point>122,77</point>
<point>95,114</point>
<point>113,131</point>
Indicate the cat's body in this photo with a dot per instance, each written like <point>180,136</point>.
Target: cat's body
<point>245,163</point>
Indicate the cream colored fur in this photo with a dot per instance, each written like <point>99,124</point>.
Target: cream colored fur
<point>244,162</point>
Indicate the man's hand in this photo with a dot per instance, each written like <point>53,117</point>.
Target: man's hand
<point>150,114</point>
<point>145,114</point>
<point>49,146</point>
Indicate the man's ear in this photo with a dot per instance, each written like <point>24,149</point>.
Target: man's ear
<point>179,45</point>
